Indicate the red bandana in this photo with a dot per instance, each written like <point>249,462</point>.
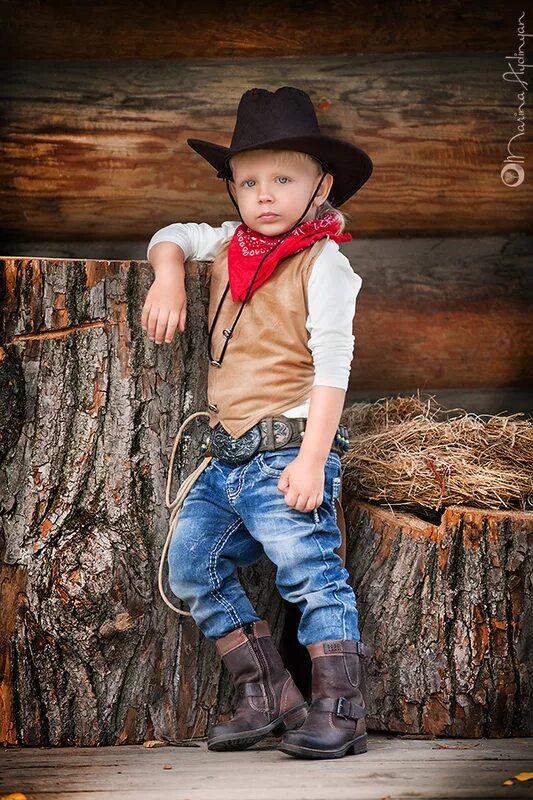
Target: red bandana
<point>247,247</point>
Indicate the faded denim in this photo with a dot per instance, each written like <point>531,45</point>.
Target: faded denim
<point>234,513</point>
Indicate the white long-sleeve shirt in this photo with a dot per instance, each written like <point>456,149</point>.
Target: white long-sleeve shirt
<point>331,294</point>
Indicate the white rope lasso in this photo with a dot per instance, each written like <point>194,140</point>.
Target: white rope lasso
<point>176,504</point>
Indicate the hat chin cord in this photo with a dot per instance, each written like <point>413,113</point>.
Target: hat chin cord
<point>228,332</point>
<point>226,184</point>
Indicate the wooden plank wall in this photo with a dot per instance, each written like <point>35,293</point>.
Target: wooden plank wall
<point>98,100</point>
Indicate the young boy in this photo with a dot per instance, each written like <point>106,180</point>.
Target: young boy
<point>280,348</point>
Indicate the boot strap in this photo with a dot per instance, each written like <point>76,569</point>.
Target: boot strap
<point>347,646</point>
<point>340,706</point>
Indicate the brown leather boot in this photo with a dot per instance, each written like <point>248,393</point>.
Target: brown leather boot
<point>266,699</point>
<point>335,725</point>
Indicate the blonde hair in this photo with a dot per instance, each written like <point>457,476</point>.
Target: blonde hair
<point>291,155</point>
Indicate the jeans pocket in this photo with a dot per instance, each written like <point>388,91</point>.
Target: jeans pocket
<point>273,462</point>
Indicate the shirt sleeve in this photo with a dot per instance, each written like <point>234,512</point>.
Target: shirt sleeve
<point>332,290</point>
<point>198,240</point>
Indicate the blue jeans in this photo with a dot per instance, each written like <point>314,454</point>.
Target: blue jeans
<point>234,513</point>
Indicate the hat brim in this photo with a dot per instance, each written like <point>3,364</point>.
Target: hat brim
<point>350,166</point>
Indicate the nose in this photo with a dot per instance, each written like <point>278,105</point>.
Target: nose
<point>264,194</point>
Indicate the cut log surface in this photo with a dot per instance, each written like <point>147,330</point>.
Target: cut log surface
<point>448,609</point>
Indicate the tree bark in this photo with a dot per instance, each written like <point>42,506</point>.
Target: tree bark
<point>89,408</point>
<point>448,609</point>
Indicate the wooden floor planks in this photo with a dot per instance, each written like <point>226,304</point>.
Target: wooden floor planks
<point>394,767</point>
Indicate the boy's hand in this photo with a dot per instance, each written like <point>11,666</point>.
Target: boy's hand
<point>165,309</point>
<point>302,482</point>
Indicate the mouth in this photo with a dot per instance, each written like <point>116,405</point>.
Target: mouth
<point>267,216</point>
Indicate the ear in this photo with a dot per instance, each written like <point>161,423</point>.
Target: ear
<point>325,189</point>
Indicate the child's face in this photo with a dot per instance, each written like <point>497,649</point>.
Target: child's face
<point>280,183</point>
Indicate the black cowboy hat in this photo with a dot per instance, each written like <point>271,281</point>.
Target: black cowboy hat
<point>286,120</point>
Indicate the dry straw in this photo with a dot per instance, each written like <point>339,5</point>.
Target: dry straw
<point>416,454</point>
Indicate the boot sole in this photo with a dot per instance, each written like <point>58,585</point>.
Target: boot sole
<point>354,747</point>
<point>293,718</point>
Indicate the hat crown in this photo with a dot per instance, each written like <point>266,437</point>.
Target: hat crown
<point>265,116</point>
<point>286,120</point>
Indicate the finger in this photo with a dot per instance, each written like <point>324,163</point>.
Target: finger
<point>289,498</point>
<point>301,502</point>
<point>183,317</point>
<point>152,322</point>
<point>161,326</point>
<point>145,314</point>
<point>283,482</point>
<point>311,504</point>
<point>171,326</point>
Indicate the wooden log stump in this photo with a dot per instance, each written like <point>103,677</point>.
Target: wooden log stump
<point>448,609</point>
<point>89,408</point>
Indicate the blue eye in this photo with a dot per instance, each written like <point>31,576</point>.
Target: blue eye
<point>283,178</point>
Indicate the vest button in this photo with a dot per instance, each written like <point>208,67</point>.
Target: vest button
<point>212,407</point>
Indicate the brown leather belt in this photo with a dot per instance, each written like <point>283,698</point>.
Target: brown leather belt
<point>270,433</point>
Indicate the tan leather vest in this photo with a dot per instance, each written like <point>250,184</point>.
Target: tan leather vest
<point>267,367</point>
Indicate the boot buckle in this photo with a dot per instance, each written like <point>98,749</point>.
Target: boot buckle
<point>342,702</point>
<point>362,649</point>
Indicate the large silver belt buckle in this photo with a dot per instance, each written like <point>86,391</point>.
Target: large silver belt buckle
<point>275,433</point>
<point>235,450</point>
